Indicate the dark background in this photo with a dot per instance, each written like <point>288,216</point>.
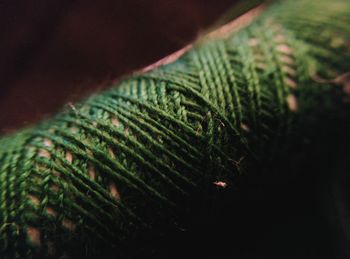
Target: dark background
<point>56,51</point>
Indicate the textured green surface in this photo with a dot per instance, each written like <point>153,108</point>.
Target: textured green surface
<point>127,162</point>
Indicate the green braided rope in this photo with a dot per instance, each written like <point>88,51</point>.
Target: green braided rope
<point>127,162</point>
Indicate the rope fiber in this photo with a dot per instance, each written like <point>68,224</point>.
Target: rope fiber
<point>158,150</point>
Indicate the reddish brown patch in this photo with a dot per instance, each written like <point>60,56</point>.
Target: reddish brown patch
<point>34,236</point>
<point>285,49</point>
<point>115,122</point>
<point>68,224</point>
<point>292,102</point>
<point>113,190</point>
<point>44,153</point>
<point>291,83</point>
<point>69,157</point>
<point>253,42</point>
<point>92,172</point>
<point>34,199</point>
<point>346,87</point>
<point>51,211</point>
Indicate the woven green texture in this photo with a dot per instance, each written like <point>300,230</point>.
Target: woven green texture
<point>124,163</point>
